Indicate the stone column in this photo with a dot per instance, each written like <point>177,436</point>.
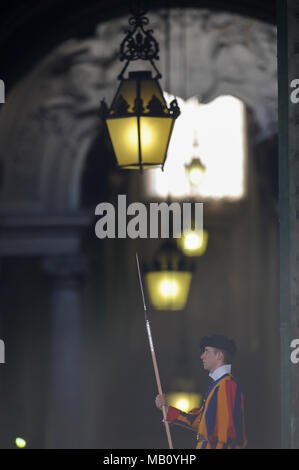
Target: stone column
<point>288,80</point>
<point>64,407</point>
<point>293,159</point>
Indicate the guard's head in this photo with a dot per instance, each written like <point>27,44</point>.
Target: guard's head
<point>216,350</point>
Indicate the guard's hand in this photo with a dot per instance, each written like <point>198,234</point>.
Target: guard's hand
<point>161,401</point>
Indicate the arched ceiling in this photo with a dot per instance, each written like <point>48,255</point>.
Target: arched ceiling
<point>28,30</point>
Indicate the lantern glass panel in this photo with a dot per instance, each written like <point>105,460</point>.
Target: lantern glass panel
<point>155,133</point>
<point>196,175</point>
<point>127,90</point>
<point>148,89</point>
<point>124,137</point>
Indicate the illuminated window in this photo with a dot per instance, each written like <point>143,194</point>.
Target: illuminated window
<point>219,127</point>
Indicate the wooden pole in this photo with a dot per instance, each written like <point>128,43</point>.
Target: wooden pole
<point>148,329</point>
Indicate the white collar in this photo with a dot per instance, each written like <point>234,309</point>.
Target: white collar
<point>220,371</point>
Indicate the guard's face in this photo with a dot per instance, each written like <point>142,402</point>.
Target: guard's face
<point>210,359</point>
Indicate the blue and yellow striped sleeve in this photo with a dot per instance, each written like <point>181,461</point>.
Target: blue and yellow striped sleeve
<point>188,420</point>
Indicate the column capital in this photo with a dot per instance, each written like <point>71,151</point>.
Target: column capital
<point>66,268</point>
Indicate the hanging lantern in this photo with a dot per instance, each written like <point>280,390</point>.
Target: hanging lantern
<point>195,170</point>
<point>193,242</point>
<point>139,122</point>
<point>168,279</point>
<point>183,395</point>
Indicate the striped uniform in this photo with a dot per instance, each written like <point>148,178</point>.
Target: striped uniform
<point>219,422</point>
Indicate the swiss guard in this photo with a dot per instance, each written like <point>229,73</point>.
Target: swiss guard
<point>219,422</point>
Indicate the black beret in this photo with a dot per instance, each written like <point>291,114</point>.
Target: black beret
<point>219,342</point>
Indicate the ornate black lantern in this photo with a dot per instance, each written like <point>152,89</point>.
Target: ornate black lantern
<point>195,169</point>
<point>168,278</point>
<point>139,122</point>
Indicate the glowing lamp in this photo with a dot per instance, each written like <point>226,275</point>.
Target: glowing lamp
<point>193,242</point>
<point>195,171</point>
<point>184,401</point>
<point>20,442</point>
<point>183,394</point>
<point>168,290</point>
<point>139,121</point>
<point>168,279</point>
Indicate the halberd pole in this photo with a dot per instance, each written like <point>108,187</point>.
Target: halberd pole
<point>148,328</point>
